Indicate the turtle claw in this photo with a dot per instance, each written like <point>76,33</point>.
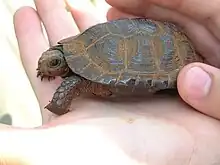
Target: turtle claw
<point>42,76</point>
<point>39,74</point>
<point>50,78</point>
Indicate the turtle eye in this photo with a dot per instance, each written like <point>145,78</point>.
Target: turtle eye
<point>55,62</point>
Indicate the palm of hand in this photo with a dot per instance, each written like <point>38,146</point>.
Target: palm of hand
<point>150,131</point>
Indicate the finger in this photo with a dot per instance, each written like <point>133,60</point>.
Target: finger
<point>85,14</point>
<point>198,85</point>
<point>114,14</point>
<point>202,11</point>
<point>202,39</point>
<point>32,43</point>
<point>58,22</point>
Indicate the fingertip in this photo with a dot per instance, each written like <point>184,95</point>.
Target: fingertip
<point>85,14</point>
<point>21,12</point>
<point>114,14</point>
<point>23,18</point>
<point>198,85</point>
<point>27,25</point>
<point>195,82</point>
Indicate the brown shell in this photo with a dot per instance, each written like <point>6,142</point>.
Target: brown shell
<point>130,52</point>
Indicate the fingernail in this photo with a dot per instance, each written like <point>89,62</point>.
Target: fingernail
<point>197,83</point>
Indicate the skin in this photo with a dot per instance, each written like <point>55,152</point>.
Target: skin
<point>97,132</point>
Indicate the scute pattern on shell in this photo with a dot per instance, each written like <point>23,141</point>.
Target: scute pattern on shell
<point>130,52</point>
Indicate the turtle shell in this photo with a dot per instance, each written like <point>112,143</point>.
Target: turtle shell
<point>130,52</point>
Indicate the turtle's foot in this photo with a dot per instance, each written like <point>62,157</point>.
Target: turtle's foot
<point>42,76</point>
<point>62,98</point>
<point>100,90</point>
<point>52,107</point>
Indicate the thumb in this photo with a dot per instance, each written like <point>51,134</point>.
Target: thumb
<point>199,86</point>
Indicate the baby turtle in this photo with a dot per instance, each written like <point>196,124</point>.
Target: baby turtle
<point>133,56</point>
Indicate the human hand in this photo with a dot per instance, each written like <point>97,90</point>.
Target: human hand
<point>198,84</point>
<point>156,131</point>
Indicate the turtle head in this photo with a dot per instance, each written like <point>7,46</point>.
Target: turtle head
<point>52,63</point>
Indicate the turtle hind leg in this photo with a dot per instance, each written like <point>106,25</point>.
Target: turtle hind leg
<point>100,90</point>
<point>65,93</point>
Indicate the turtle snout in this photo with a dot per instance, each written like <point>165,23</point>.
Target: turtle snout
<point>43,70</point>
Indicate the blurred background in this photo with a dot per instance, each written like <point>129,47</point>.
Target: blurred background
<point>18,104</point>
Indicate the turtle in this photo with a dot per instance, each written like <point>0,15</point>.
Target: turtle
<point>127,55</point>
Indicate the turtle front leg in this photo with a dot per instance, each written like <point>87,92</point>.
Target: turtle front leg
<point>65,93</point>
